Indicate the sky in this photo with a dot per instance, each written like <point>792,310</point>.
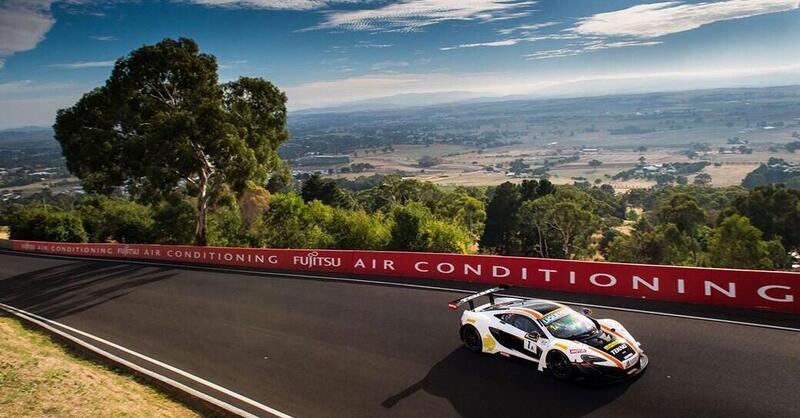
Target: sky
<point>329,52</point>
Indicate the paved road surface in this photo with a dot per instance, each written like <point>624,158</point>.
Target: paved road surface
<point>322,348</point>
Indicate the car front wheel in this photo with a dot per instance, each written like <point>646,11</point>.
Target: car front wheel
<point>472,338</point>
<point>559,365</point>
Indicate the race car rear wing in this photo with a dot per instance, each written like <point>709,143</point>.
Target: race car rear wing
<point>469,299</point>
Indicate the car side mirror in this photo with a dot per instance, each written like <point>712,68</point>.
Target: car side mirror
<point>533,336</point>
<point>586,311</point>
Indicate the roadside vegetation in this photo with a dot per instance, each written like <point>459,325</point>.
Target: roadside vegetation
<point>181,159</point>
<point>41,378</point>
<point>687,225</point>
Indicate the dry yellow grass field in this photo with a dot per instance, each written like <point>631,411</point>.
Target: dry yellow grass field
<point>463,166</point>
<point>39,378</point>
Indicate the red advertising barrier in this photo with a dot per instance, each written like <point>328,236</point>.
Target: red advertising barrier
<point>767,290</point>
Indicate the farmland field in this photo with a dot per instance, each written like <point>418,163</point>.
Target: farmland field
<point>734,130</point>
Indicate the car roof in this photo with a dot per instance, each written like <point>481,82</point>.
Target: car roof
<point>540,307</point>
<point>544,307</point>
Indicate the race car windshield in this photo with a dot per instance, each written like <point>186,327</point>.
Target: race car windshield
<point>570,325</point>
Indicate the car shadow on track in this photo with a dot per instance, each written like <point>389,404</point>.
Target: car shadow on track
<point>62,290</point>
<point>484,385</point>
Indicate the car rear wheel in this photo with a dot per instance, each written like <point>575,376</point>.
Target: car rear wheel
<point>472,338</point>
<point>559,365</point>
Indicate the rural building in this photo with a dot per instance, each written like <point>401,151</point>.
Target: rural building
<point>322,160</point>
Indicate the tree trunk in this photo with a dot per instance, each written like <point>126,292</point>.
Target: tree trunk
<point>567,245</point>
<point>200,237</point>
<point>544,250</point>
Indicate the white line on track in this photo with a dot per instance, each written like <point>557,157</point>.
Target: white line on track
<point>51,325</point>
<point>389,283</point>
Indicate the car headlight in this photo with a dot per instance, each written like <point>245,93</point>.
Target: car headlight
<point>588,358</point>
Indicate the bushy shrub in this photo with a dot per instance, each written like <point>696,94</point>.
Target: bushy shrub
<point>414,228</point>
<point>42,223</point>
<point>291,223</point>
<point>359,230</point>
<point>174,220</point>
<point>116,219</point>
<point>225,224</point>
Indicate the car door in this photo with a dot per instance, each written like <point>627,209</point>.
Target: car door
<point>514,332</point>
<point>535,338</point>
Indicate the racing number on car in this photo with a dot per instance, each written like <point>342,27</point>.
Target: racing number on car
<point>532,346</point>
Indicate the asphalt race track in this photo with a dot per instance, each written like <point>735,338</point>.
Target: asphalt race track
<point>326,348</point>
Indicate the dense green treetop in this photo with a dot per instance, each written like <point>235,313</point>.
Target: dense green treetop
<point>162,121</point>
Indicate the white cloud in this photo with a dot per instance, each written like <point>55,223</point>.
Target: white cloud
<point>385,65</point>
<point>273,4</point>
<point>225,65</point>
<point>23,24</point>
<point>587,46</point>
<point>105,38</point>
<point>30,86</point>
<point>597,45</point>
<point>87,64</point>
<point>413,15</point>
<point>553,53</point>
<point>513,41</point>
<point>659,19</point>
<point>526,28</point>
<point>366,44</point>
<point>629,26</point>
<point>503,42</point>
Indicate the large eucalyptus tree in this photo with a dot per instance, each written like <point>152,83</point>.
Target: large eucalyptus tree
<point>162,122</point>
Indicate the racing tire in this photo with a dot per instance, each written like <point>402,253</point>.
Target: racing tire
<point>559,365</point>
<point>472,339</point>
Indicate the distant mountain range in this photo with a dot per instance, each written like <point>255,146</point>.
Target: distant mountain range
<point>398,101</point>
<point>465,102</point>
<point>465,99</point>
<point>27,134</point>
<point>576,90</point>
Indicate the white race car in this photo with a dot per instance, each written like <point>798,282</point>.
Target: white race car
<point>567,343</point>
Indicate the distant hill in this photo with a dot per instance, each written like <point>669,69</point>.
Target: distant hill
<point>399,101</point>
<point>465,101</point>
<point>27,136</point>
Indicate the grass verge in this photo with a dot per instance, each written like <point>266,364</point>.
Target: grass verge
<point>41,377</point>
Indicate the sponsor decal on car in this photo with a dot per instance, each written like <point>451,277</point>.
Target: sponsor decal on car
<point>616,350</point>
<point>629,363</point>
<point>553,317</point>
<point>577,350</point>
<point>488,342</point>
